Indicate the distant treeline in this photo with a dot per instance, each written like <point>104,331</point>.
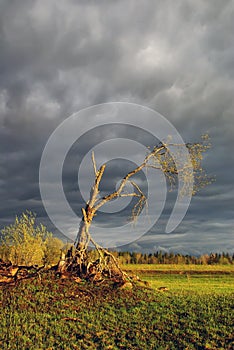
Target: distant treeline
<point>172,258</point>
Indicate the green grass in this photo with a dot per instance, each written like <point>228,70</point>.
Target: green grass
<point>176,268</point>
<point>55,314</point>
<point>202,284</point>
<point>216,279</point>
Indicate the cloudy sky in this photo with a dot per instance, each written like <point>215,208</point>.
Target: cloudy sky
<point>58,57</point>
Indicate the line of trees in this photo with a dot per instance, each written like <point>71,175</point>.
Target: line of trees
<point>173,258</point>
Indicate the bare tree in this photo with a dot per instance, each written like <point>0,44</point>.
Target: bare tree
<point>158,158</point>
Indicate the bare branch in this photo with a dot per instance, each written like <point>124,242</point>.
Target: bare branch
<point>137,188</point>
<point>95,189</point>
<point>129,195</point>
<point>94,164</point>
<point>127,177</point>
<point>153,166</point>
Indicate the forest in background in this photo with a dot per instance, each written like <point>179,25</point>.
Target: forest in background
<point>174,258</point>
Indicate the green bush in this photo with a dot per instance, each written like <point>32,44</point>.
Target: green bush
<point>52,250</point>
<point>25,243</point>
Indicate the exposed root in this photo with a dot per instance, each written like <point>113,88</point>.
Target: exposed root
<point>104,266</point>
<point>10,274</point>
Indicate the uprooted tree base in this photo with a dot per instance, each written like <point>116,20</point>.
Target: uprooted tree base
<point>104,269</point>
<point>81,264</point>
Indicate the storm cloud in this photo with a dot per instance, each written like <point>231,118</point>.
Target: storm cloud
<point>174,57</point>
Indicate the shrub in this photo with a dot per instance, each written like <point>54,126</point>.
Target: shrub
<point>25,243</point>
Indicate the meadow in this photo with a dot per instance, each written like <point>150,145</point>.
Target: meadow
<point>201,279</point>
<point>195,312</point>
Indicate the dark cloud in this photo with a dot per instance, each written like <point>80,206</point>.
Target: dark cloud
<point>175,57</point>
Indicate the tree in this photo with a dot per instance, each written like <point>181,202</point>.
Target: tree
<point>23,243</point>
<point>52,250</point>
<point>157,158</point>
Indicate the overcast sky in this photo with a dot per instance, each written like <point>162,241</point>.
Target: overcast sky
<point>176,57</point>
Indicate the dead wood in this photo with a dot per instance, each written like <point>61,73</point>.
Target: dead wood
<point>11,273</point>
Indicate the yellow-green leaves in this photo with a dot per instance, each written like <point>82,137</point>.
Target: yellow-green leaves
<point>26,243</point>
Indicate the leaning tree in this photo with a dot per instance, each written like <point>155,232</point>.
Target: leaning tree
<point>78,259</point>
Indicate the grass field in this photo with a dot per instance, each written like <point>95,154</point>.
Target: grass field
<point>175,268</point>
<point>187,278</point>
<point>195,313</point>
